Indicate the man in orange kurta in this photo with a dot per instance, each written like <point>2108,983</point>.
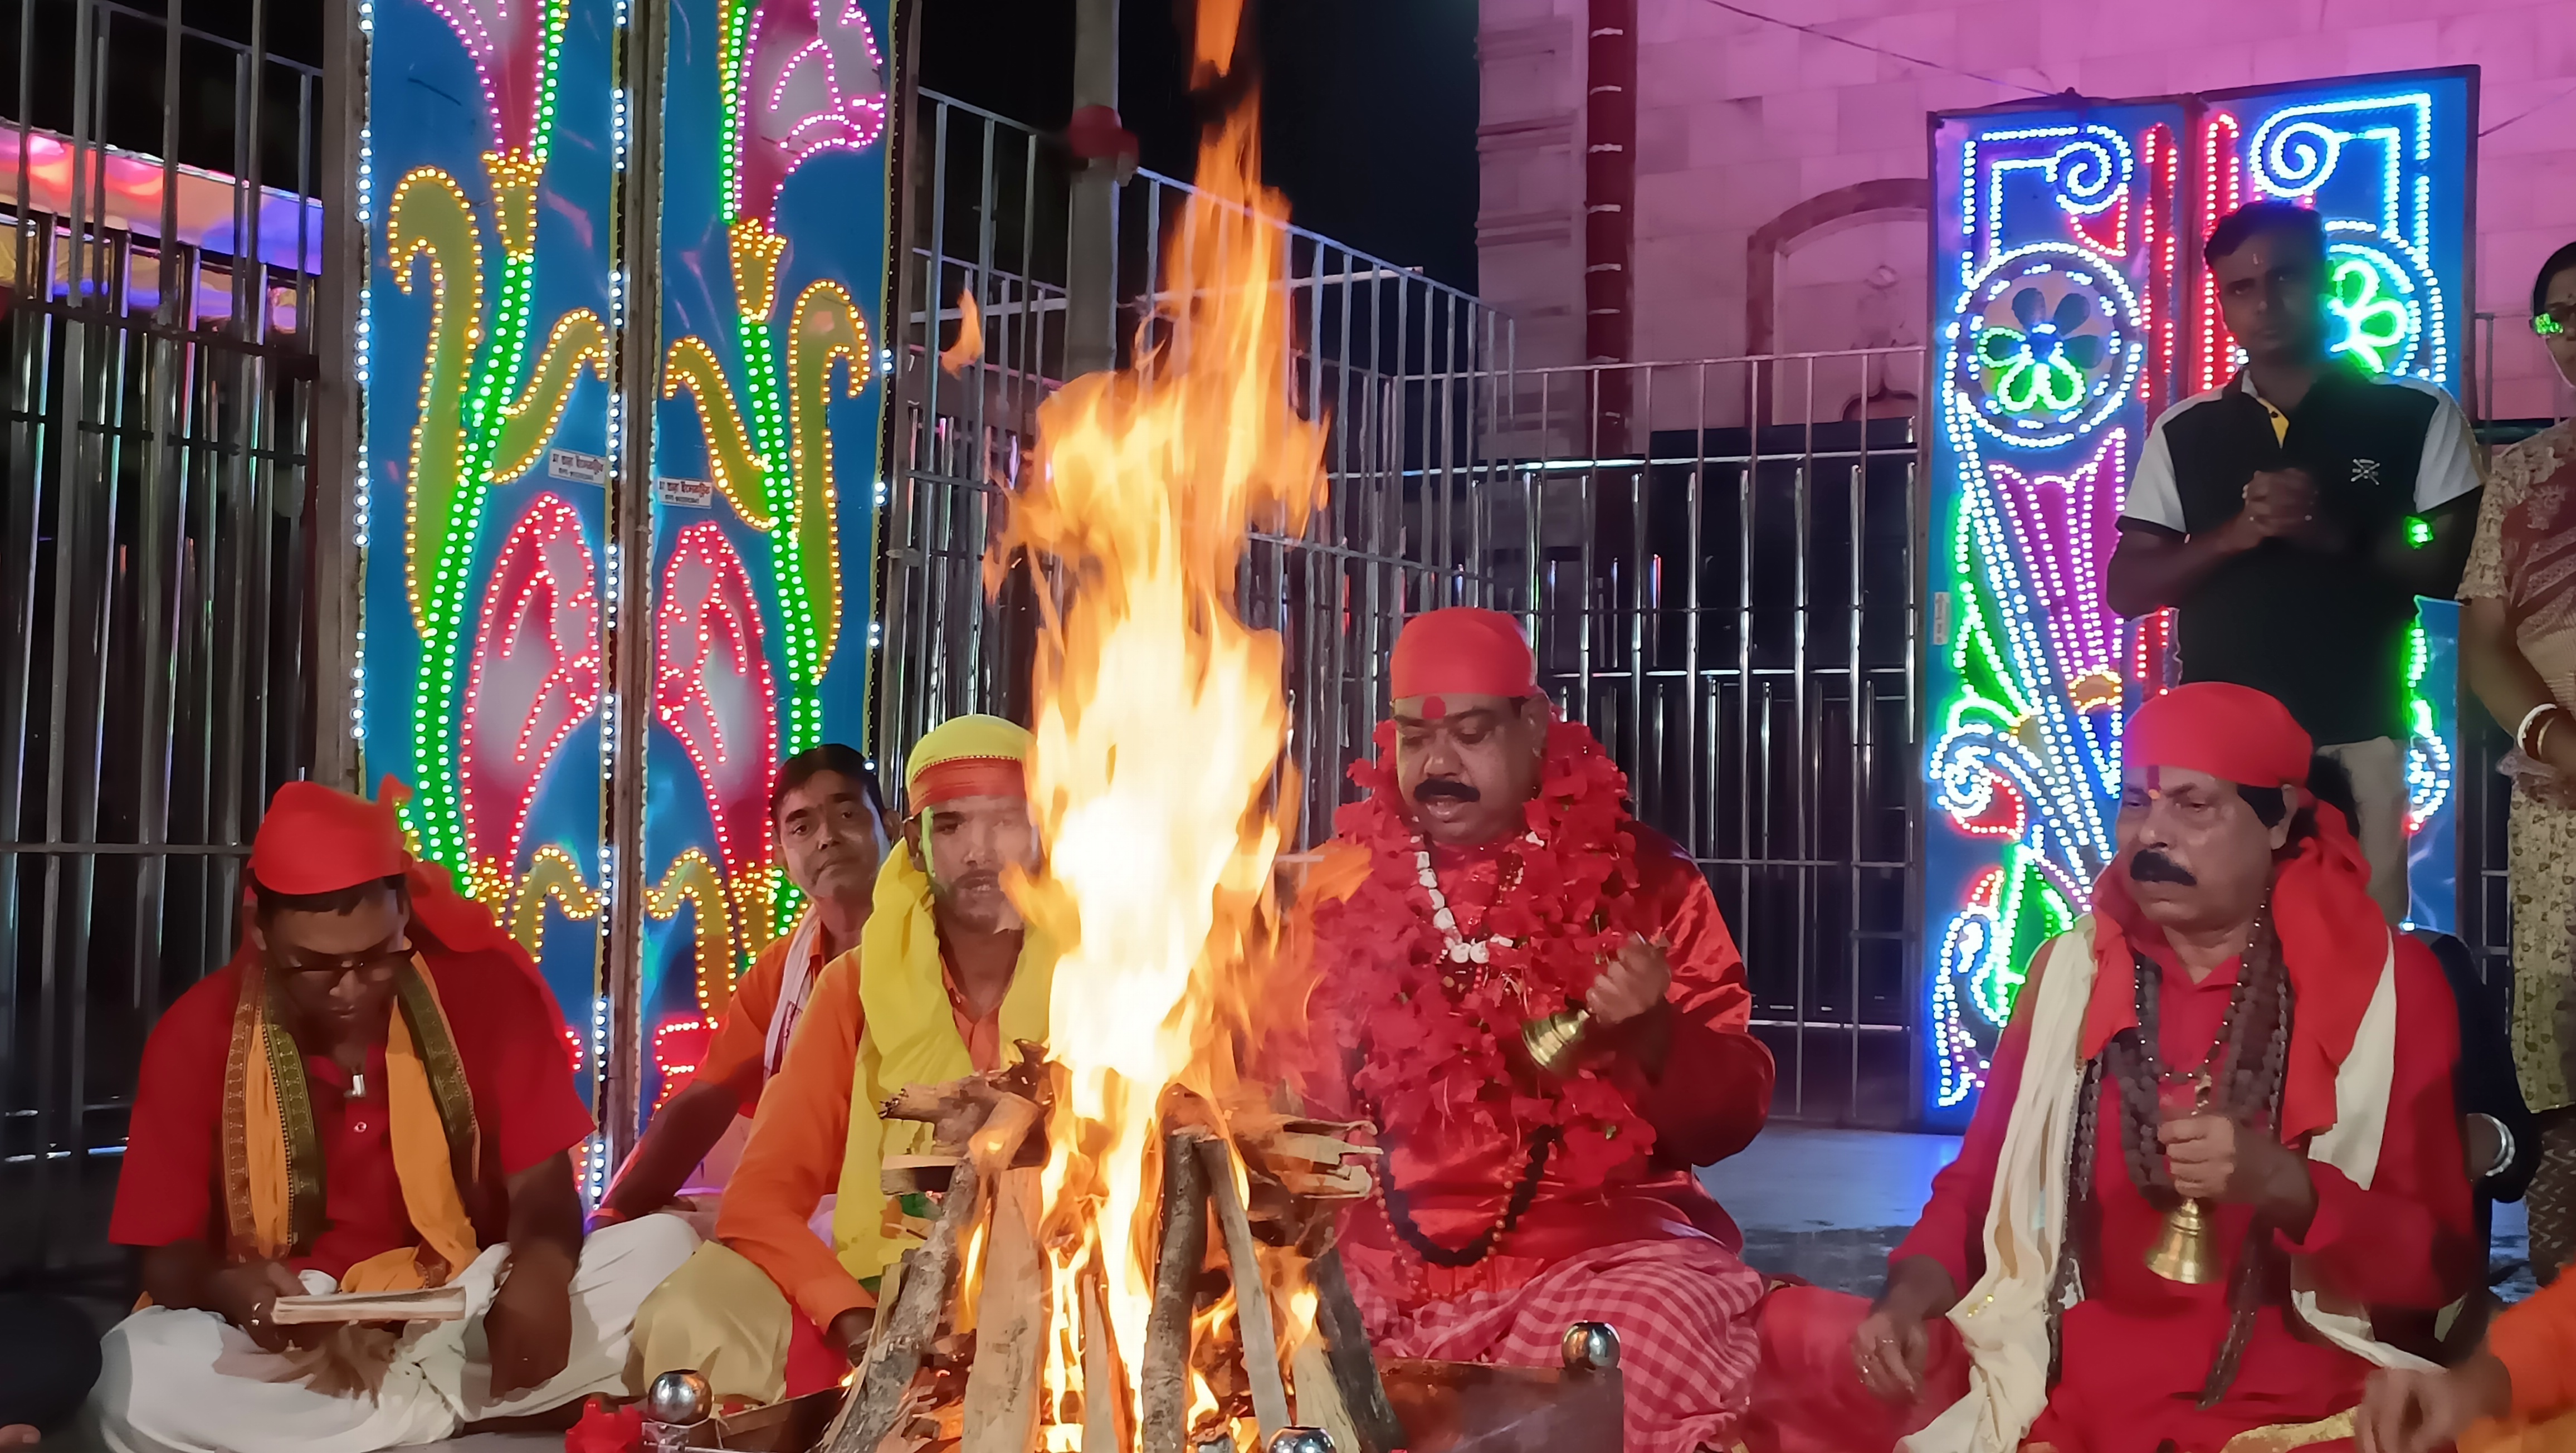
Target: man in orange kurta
<point>831,827</point>
<point>944,979</point>
<point>1494,874</point>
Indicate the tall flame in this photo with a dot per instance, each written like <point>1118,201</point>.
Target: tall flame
<point>1160,727</point>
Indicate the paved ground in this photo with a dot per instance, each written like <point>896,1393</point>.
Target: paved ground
<point>1825,1205</point>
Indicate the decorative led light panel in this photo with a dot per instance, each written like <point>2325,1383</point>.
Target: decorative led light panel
<point>490,182</point>
<point>773,255</point>
<point>2067,315</point>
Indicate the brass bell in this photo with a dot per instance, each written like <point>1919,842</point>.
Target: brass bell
<point>1555,1041</point>
<point>2187,1252</point>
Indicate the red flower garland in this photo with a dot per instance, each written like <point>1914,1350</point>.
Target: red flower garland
<point>1436,1071</point>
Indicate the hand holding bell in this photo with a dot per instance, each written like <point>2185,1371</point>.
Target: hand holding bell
<point>1631,983</point>
<point>2186,1250</point>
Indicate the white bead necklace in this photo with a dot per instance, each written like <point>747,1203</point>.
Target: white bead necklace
<point>1456,946</point>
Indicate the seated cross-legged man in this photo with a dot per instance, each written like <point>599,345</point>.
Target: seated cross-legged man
<point>944,981</point>
<point>1494,874</point>
<point>2234,1024</point>
<point>372,1096</point>
<point>830,823</point>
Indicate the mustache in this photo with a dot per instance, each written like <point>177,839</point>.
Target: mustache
<point>2151,865</point>
<point>1438,787</point>
<point>975,882</point>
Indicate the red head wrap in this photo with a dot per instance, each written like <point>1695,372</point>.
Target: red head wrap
<point>2225,730</point>
<point>967,756</point>
<point>317,840</point>
<point>1462,651</point>
<point>2334,939</point>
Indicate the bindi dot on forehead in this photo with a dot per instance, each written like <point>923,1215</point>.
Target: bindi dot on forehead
<point>1434,708</point>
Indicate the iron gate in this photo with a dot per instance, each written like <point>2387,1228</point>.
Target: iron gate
<point>1731,606</point>
<point>153,552</point>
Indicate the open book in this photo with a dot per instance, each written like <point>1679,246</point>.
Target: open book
<point>431,1304</point>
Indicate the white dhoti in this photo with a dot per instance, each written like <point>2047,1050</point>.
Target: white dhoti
<point>190,1382</point>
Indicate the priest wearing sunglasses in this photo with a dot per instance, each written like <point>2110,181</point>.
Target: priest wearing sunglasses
<point>372,1096</point>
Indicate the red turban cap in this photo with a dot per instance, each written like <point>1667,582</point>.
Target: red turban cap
<point>1462,651</point>
<point>2228,731</point>
<point>317,840</point>
<point>2333,938</point>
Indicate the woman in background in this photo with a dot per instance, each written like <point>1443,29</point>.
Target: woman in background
<point>2518,648</point>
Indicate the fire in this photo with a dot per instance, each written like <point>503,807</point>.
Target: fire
<point>1160,728</point>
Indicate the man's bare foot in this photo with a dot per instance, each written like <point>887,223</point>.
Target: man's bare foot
<point>19,1435</point>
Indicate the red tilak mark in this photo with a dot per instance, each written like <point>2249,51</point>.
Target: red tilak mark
<point>1434,708</point>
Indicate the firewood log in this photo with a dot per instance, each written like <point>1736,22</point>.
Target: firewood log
<point>1319,1397</point>
<point>1164,1380</point>
<point>1251,1298</point>
<point>1346,1349</point>
<point>1002,1389</point>
<point>1104,1381</point>
<point>1342,1183</point>
<point>876,1402</point>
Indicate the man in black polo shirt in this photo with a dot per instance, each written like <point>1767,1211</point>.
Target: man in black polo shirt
<point>2293,516</point>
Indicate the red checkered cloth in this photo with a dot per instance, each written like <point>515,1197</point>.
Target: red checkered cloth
<point>1684,1311</point>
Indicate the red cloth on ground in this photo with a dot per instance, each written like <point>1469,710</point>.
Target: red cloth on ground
<point>2138,1350</point>
<point>508,1034</point>
<point>1683,1310</point>
<point>812,1364</point>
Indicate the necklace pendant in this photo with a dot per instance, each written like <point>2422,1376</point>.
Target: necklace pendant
<point>357,1084</point>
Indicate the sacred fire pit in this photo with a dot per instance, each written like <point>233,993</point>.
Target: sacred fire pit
<point>959,1357</point>
<point>1132,1250</point>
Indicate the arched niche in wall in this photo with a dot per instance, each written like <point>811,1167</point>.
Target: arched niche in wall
<point>1841,270</point>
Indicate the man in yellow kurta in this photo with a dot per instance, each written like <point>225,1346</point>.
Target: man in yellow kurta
<point>945,978</point>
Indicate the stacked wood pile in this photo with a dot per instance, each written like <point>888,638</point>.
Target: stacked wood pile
<point>927,1387</point>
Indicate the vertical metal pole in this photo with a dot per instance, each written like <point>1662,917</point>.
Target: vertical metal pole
<point>1091,284</point>
<point>630,527</point>
<point>339,570</point>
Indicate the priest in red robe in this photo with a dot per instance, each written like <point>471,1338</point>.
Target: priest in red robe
<point>1492,875</point>
<point>2233,1024</point>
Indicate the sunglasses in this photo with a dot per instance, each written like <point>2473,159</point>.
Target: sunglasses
<point>2555,320</point>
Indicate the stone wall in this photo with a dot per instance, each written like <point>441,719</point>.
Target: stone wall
<point>1781,173</point>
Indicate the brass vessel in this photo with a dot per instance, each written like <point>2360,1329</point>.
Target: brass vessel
<point>1556,1041</point>
<point>2187,1252</point>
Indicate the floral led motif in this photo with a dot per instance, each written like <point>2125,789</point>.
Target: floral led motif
<point>552,878</point>
<point>514,44</point>
<point>713,690</point>
<point>2067,326</point>
<point>694,882</point>
<point>2374,324</point>
<point>2042,365</point>
<point>2044,344</point>
<point>535,676</point>
<point>679,1049</point>
<point>809,80</point>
